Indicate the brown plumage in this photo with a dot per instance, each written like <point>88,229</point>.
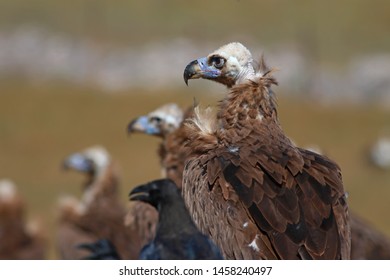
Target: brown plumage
<point>18,240</point>
<point>247,185</point>
<point>142,219</point>
<point>99,214</point>
<point>367,242</point>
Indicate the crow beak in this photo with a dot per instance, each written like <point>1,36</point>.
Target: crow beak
<point>140,193</point>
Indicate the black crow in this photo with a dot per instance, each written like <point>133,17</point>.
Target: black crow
<point>102,249</point>
<point>177,237</point>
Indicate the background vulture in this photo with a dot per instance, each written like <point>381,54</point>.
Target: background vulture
<point>379,153</point>
<point>246,184</point>
<point>99,214</point>
<point>367,242</point>
<point>18,240</point>
<point>167,122</point>
<point>177,237</point>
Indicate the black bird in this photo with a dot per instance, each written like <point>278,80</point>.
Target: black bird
<point>177,237</point>
<point>102,249</point>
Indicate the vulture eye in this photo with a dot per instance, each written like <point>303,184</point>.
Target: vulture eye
<point>217,61</point>
<point>156,119</point>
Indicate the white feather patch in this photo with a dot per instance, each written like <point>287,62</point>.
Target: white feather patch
<point>233,149</point>
<point>259,116</point>
<point>253,244</point>
<point>170,113</point>
<point>99,156</point>
<point>205,120</point>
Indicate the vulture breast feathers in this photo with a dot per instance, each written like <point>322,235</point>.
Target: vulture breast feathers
<point>246,184</point>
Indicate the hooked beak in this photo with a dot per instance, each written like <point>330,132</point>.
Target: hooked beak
<point>200,69</point>
<point>143,125</point>
<point>78,162</point>
<point>140,193</point>
<point>191,71</point>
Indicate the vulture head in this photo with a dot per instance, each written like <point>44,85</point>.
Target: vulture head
<point>379,154</point>
<point>160,122</point>
<point>229,65</point>
<point>156,192</point>
<point>92,161</point>
<point>11,203</point>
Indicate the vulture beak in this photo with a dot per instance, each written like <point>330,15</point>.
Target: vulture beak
<point>78,162</point>
<point>192,71</point>
<point>143,124</point>
<point>200,69</point>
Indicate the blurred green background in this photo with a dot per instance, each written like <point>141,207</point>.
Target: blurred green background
<point>74,73</point>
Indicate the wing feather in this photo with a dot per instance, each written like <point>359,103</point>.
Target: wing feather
<point>292,211</point>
